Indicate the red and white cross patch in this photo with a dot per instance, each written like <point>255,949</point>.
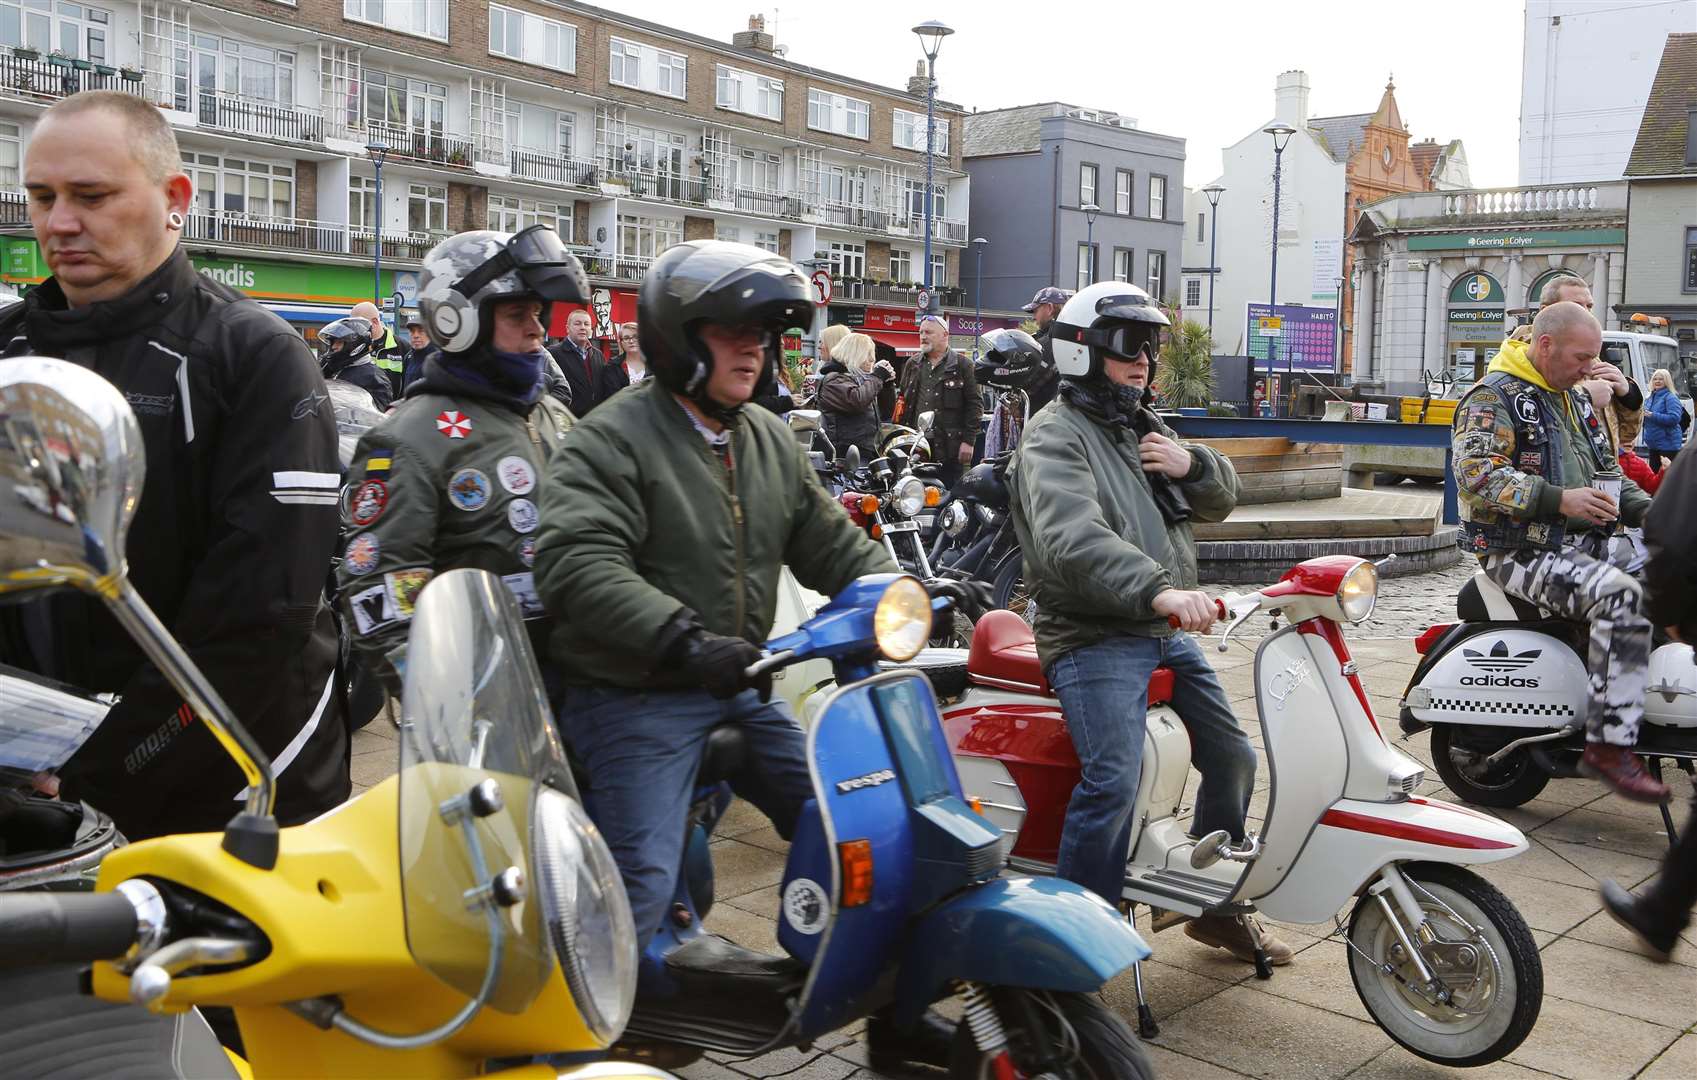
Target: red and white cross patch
<point>453,423</point>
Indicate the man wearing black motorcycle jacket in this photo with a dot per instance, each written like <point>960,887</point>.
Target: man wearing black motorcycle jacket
<point>344,352</point>
<point>1102,496</point>
<point>667,516</point>
<point>237,518</point>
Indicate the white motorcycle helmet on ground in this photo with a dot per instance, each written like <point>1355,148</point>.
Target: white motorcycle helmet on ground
<point>1107,317</point>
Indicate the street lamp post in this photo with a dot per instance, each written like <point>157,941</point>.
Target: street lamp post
<point>378,152</point>
<point>1213,191</point>
<point>978,243</point>
<point>1090,212</point>
<point>1281,134</point>
<point>931,35</point>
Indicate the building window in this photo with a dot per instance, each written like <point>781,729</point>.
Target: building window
<point>205,64</point>
<point>427,208</point>
<point>1086,265</point>
<point>535,127</point>
<point>532,39</point>
<point>747,92</point>
<point>76,30</point>
<point>1122,264</point>
<point>1201,226</point>
<point>426,18</point>
<point>1690,260</point>
<point>411,104</point>
<point>646,237</point>
<point>728,233</point>
<point>759,170</point>
<point>241,187</point>
<point>766,241</point>
<point>838,114</point>
<point>362,202</point>
<point>908,133</point>
<point>11,154</point>
<point>1086,185</point>
<point>1193,293</point>
<point>1122,192</point>
<point>938,265</point>
<point>1157,280</point>
<point>915,190</point>
<point>901,265</point>
<point>509,213</point>
<point>1158,198</point>
<point>643,67</point>
<point>848,260</point>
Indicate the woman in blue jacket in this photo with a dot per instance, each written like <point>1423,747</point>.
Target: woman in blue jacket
<point>1663,434</point>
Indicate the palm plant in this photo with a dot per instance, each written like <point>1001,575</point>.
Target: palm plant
<point>1186,375</point>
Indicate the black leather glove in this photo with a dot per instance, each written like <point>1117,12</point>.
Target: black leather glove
<point>971,598</point>
<point>716,662</point>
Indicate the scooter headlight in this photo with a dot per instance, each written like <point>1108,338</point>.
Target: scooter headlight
<point>901,622</point>
<point>953,518</point>
<point>586,913</point>
<point>910,496</point>
<point>1358,592</point>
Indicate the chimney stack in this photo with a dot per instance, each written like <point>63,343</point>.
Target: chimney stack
<point>918,85</point>
<point>755,37</point>
<point>1290,99</point>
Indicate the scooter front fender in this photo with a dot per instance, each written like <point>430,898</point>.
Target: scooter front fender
<point>1037,933</point>
<point>1354,839</point>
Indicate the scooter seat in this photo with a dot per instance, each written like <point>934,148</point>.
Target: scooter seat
<point>1483,600</point>
<point>1004,656</point>
<point>727,750</point>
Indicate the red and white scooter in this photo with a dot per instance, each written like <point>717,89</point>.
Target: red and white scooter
<point>1440,958</point>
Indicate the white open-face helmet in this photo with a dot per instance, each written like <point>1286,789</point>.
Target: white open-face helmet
<point>1108,317</point>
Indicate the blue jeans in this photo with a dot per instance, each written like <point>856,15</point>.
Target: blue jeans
<point>1104,691</point>
<point>642,752</point>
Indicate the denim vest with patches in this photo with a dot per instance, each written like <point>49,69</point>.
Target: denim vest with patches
<point>1541,447</point>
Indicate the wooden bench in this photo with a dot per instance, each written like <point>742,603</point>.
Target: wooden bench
<point>1276,470</point>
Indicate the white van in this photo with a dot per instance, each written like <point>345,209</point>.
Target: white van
<point>1641,355</point>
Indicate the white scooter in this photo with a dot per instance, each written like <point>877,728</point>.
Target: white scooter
<point>1440,958</point>
<point>1505,691</point>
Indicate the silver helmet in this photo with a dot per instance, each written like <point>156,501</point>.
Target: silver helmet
<point>465,275</point>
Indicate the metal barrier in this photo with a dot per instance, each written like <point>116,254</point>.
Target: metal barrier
<point>1351,432</point>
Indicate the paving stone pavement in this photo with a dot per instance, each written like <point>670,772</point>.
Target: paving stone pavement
<point>1608,1012</point>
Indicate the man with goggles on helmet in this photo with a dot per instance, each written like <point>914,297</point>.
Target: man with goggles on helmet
<point>1102,497</point>
<point>451,478</point>
<point>344,353</point>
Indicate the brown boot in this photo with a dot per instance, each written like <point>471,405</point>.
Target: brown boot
<point>1226,932</point>
<point>1623,770</point>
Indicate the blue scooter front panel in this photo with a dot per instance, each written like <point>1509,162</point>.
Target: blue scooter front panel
<point>860,797</point>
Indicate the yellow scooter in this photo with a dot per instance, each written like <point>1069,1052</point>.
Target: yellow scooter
<point>462,913</point>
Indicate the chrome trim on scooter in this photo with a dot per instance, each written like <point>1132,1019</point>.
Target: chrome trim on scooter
<point>1518,743</point>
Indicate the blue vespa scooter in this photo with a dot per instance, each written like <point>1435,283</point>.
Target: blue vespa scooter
<point>892,894</point>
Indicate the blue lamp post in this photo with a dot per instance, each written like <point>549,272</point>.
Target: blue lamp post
<point>1090,212</point>
<point>931,35</point>
<point>978,243</point>
<point>378,152</point>
<point>1213,191</point>
<point>1281,134</point>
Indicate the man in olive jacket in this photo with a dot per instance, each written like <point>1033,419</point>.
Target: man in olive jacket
<point>667,515</point>
<point>1102,497</point>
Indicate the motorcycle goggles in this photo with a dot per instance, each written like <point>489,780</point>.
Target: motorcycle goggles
<point>1125,341</point>
<point>539,258</point>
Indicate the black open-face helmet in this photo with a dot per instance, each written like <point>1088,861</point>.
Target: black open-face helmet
<point>714,281</point>
<point>342,344</point>
<point>1010,360</point>
<point>466,275</point>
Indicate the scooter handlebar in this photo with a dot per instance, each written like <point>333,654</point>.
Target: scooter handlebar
<point>56,928</point>
<point>1220,613</point>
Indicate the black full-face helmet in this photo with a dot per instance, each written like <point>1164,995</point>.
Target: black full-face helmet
<point>466,275</point>
<point>1010,360</point>
<point>714,281</point>
<point>342,344</point>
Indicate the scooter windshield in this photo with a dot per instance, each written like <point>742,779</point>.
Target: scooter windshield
<point>477,741</point>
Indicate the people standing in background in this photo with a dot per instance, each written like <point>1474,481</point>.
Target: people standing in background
<point>581,363</point>
<point>1663,431</point>
<point>417,349</point>
<point>941,381</point>
<point>385,353</point>
<point>1044,307</point>
<point>848,395</point>
<point>626,369</point>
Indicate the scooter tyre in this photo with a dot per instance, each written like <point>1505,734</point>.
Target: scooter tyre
<point>1107,1047</point>
<point>1010,588</point>
<point>1472,897</point>
<point>1522,777</point>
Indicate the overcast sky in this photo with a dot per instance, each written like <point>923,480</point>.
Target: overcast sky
<point>1199,69</point>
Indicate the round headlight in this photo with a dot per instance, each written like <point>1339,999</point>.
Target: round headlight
<point>953,518</point>
<point>902,620</point>
<point>910,496</point>
<point>586,913</point>
<point>1358,592</point>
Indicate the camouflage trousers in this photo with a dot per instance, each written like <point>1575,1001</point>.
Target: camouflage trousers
<point>1586,581</point>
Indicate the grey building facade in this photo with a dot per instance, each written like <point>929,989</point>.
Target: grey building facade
<point>1034,168</point>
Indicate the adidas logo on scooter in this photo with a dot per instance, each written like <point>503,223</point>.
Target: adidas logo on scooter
<point>1498,659</point>
<point>1528,683</point>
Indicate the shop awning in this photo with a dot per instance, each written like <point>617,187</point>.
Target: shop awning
<point>306,313</point>
<point>900,340</point>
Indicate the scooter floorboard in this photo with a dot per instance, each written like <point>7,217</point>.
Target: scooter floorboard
<point>728,998</point>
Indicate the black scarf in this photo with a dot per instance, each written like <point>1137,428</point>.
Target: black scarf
<point>476,375</point>
<point>1106,403</point>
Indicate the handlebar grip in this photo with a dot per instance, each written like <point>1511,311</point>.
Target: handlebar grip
<point>55,927</point>
<point>1219,607</point>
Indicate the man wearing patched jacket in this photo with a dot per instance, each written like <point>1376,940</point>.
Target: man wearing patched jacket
<point>1538,483</point>
<point>449,478</point>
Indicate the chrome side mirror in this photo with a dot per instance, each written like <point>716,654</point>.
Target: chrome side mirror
<point>851,459</point>
<point>71,469</point>
<point>802,420</point>
<point>927,420</point>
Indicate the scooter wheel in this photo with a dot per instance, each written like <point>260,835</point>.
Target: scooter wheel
<point>1035,1022</point>
<point>1515,780</point>
<point>1483,953</point>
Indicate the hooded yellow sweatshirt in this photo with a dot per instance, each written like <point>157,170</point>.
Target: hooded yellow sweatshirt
<point>1514,359</point>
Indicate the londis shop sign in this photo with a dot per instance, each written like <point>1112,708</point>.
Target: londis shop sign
<point>258,278</point>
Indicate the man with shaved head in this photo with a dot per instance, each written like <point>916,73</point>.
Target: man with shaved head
<point>1541,493</point>
<point>238,514</point>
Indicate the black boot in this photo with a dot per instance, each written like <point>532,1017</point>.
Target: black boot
<point>928,1042</point>
<point>1657,936</point>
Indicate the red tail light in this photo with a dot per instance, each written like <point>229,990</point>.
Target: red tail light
<point>1429,636</point>
<point>851,501</point>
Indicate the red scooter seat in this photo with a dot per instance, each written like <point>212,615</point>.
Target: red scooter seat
<point>1004,655</point>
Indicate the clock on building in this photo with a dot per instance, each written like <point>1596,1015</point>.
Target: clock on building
<point>1385,156</point>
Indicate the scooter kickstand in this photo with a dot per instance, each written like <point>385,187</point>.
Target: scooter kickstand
<point>1147,1028</point>
<point>1263,966</point>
